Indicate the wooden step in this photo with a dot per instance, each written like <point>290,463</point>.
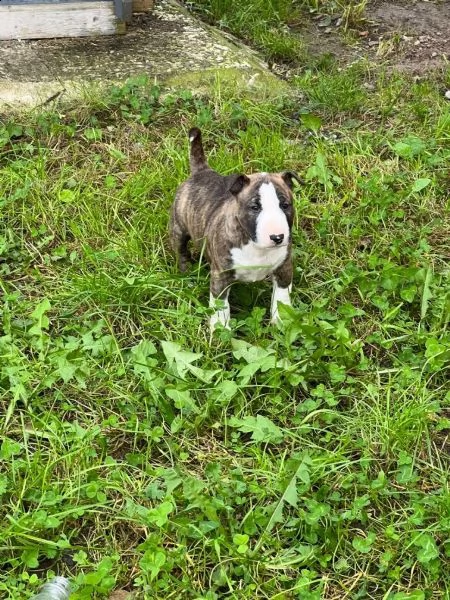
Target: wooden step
<point>30,20</point>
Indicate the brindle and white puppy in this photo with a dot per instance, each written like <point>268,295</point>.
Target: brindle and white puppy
<point>246,221</point>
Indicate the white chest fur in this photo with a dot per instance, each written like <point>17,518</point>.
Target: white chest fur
<point>252,263</point>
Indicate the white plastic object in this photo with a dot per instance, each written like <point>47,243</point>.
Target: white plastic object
<point>56,589</point>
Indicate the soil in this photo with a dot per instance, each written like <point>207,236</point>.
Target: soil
<point>409,35</point>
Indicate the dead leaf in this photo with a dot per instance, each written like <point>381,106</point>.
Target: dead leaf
<point>121,595</point>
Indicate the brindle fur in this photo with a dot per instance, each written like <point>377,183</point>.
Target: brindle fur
<point>214,209</point>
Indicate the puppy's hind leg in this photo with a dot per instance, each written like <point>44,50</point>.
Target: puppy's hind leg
<point>179,239</point>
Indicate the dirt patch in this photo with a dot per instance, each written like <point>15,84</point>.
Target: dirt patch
<point>420,32</point>
<point>410,36</point>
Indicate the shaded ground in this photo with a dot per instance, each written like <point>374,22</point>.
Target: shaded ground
<point>164,41</point>
<point>411,36</point>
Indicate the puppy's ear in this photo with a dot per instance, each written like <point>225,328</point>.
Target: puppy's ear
<point>240,181</point>
<point>289,177</point>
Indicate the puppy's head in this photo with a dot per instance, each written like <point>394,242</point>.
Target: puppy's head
<point>265,206</point>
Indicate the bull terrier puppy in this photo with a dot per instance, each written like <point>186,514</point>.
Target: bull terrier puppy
<point>245,222</point>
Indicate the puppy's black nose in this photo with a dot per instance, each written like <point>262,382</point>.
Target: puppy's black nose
<point>277,238</point>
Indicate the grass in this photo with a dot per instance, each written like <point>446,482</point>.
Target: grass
<point>271,26</point>
<point>305,462</point>
<point>264,24</point>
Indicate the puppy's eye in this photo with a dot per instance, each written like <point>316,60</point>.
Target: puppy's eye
<point>254,207</point>
<point>285,205</point>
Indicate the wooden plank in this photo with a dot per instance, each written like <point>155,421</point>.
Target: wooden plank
<point>142,5</point>
<point>68,19</point>
<point>16,2</point>
<point>123,10</point>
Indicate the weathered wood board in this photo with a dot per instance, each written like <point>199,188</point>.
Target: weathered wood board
<point>62,19</point>
<point>142,5</point>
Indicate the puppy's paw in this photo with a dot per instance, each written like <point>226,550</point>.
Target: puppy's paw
<point>219,318</point>
<point>275,320</point>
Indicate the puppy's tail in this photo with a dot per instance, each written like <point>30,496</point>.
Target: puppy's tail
<point>197,157</point>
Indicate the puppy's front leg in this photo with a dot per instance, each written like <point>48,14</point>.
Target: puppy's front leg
<point>282,287</point>
<point>219,290</point>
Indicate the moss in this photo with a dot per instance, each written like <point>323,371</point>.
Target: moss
<point>260,82</point>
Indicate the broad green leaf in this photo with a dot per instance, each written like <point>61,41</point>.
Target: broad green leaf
<point>180,361</point>
<point>141,357</point>
<point>160,515</point>
<point>289,496</point>
<point>9,448</point>
<point>310,121</point>
<point>227,389</point>
<point>176,424</point>
<point>93,133</point>
<point>41,309</point>
<point>435,351</point>
<point>172,480</point>
<point>153,491</point>
<point>15,130</point>
<point>408,293</point>
<point>337,373</point>
<point>67,196</point>
<point>316,510</point>
<point>247,371</point>
<point>320,172</point>
<point>193,487</point>
<point>364,545</point>
<point>341,332</point>
<point>182,400</point>
<point>248,352</point>
<point>420,184</point>
<point>261,428</point>
<point>40,317</point>
<point>402,149</point>
<point>240,538</point>
<point>92,489</point>
<point>30,558</point>
<point>276,517</point>
<point>66,369</point>
<point>153,561</point>
<point>52,522</point>
<point>290,493</point>
<point>143,350</point>
<point>257,359</point>
<point>101,573</point>
<point>428,549</point>
<point>409,147</point>
<point>303,472</point>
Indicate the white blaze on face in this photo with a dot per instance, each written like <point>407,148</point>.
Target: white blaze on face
<point>271,219</point>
